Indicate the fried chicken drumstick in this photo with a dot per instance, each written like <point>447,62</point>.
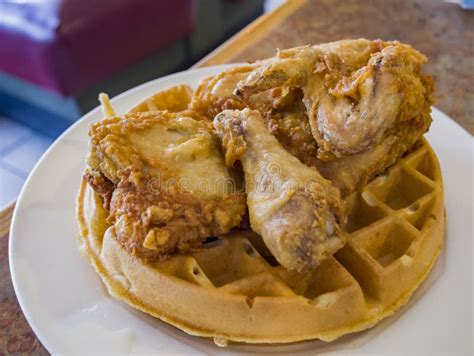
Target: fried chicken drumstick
<point>297,212</point>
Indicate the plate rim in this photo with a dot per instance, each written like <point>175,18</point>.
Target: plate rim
<point>43,338</point>
<point>11,235</point>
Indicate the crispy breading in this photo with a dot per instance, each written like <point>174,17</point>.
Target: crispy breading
<point>366,102</point>
<point>215,93</point>
<point>298,213</point>
<point>170,186</point>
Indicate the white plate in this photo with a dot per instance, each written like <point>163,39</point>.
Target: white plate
<point>70,311</point>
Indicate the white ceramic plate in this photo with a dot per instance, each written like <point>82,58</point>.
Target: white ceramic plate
<point>70,311</point>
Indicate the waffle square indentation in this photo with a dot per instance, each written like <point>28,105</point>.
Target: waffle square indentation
<point>422,162</point>
<point>418,213</point>
<point>233,259</point>
<point>387,244</point>
<point>363,210</point>
<point>328,277</point>
<point>399,189</point>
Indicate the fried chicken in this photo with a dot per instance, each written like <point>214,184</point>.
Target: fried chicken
<point>215,94</point>
<point>366,101</point>
<point>163,178</point>
<point>298,213</point>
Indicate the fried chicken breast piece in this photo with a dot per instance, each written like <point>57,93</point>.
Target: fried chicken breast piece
<point>298,213</point>
<point>163,177</point>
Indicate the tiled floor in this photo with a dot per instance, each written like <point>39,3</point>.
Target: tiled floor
<point>20,149</point>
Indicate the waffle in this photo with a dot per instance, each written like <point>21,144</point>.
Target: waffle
<point>233,289</point>
<point>174,99</point>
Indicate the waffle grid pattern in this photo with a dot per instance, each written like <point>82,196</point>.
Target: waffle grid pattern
<point>387,221</point>
<point>234,289</point>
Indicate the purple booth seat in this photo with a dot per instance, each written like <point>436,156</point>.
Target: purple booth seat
<point>66,46</point>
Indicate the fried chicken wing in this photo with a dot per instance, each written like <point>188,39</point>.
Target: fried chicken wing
<point>298,213</point>
<point>163,177</point>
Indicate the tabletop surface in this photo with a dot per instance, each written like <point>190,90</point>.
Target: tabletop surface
<point>441,30</point>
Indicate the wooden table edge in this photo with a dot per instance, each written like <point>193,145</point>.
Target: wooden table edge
<point>6,219</point>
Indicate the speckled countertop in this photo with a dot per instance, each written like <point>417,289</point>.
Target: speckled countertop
<point>441,30</point>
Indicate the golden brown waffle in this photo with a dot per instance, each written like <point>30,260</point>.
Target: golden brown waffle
<point>233,289</point>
